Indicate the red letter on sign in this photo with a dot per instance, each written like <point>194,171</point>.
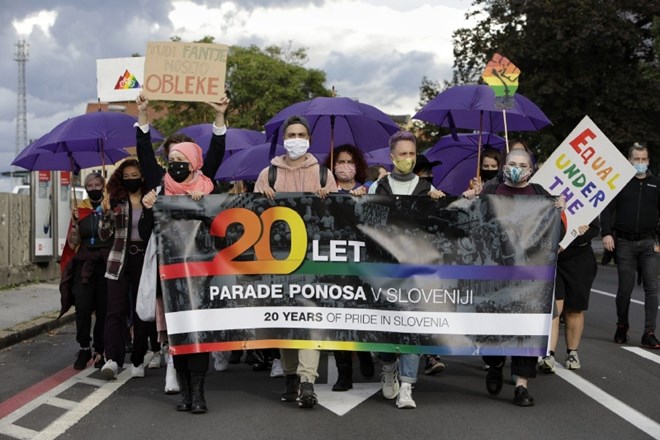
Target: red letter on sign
<point>581,139</point>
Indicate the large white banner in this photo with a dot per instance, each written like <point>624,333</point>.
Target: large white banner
<point>119,79</point>
<point>589,171</point>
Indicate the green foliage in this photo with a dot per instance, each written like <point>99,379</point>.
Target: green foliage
<point>583,57</point>
<point>260,83</point>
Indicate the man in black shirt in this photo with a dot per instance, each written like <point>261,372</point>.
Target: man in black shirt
<point>629,225</point>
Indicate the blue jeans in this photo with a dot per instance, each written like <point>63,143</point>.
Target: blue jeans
<point>408,365</point>
<point>630,254</point>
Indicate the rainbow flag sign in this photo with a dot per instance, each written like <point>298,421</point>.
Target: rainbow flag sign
<point>502,76</point>
<point>374,273</point>
<point>119,79</point>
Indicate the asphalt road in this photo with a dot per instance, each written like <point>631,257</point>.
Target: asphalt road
<point>614,395</point>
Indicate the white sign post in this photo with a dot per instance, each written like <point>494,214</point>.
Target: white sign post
<point>589,171</point>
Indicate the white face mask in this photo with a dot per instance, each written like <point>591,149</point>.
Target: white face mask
<point>296,148</point>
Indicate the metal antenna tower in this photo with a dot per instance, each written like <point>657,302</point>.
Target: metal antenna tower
<point>21,56</point>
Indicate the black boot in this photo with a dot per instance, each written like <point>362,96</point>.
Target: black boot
<point>344,361</point>
<point>185,403</point>
<point>197,382</point>
<point>344,379</point>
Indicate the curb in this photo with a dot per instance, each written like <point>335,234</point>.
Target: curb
<point>34,327</point>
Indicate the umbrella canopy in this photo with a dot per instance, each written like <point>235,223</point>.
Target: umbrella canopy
<point>34,159</point>
<point>473,107</point>
<point>96,132</point>
<point>459,160</point>
<point>337,121</point>
<point>236,138</point>
<point>246,164</point>
<point>380,156</point>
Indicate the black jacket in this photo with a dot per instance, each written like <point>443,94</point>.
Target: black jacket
<point>635,210</point>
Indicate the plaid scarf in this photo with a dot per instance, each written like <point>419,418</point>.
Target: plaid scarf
<point>117,220</point>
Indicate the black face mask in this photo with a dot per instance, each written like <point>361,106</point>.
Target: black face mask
<point>179,171</point>
<point>95,195</point>
<point>132,185</point>
<point>488,174</point>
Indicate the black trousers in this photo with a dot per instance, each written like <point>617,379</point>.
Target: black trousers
<point>122,297</point>
<point>90,297</point>
<point>523,366</point>
<point>196,362</point>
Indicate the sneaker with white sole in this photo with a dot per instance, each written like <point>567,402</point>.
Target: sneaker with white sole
<point>220,361</point>
<point>156,360</point>
<point>171,380</point>
<point>276,368</point>
<point>109,370</point>
<point>404,400</point>
<point>390,384</point>
<point>547,364</point>
<point>572,360</point>
<point>137,371</point>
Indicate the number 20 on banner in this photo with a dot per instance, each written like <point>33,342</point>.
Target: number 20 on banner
<point>257,232</point>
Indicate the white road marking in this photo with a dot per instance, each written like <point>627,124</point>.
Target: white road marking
<point>613,404</point>
<point>341,402</point>
<point>613,295</point>
<point>643,353</point>
<point>70,418</point>
<point>75,410</point>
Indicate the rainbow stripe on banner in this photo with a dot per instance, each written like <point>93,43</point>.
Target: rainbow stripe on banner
<point>375,273</point>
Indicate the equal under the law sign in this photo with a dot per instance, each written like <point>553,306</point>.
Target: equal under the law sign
<point>177,71</point>
<point>589,171</point>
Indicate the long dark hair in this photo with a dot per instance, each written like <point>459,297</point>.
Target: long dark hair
<point>356,155</point>
<point>116,189</point>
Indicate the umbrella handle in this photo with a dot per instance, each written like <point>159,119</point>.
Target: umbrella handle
<point>332,141</point>
<point>481,127</point>
<point>506,131</point>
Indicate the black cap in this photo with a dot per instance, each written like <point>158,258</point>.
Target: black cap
<point>296,119</point>
<point>423,163</point>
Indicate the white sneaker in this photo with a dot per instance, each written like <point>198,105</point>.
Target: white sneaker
<point>156,360</point>
<point>276,369</point>
<point>405,400</point>
<point>220,362</point>
<point>390,383</point>
<point>137,371</point>
<point>109,370</point>
<point>572,361</point>
<point>171,381</point>
<point>547,364</point>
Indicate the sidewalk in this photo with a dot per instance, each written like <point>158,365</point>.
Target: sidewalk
<point>29,310</point>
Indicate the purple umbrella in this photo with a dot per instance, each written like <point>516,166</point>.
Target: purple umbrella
<point>246,164</point>
<point>337,121</point>
<point>96,131</point>
<point>459,160</point>
<point>237,138</point>
<point>473,107</point>
<point>34,159</point>
<point>380,156</point>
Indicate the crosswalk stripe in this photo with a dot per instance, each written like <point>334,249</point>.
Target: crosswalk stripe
<point>643,353</point>
<point>610,402</point>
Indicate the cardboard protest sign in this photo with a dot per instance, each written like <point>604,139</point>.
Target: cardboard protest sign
<point>119,79</point>
<point>177,71</point>
<point>589,171</point>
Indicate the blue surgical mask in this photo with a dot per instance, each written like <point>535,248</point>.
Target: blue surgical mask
<point>641,168</point>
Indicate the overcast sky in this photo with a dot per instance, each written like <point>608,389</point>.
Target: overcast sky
<point>374,50</point>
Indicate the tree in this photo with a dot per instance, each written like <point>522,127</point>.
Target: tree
<point>577,58</point>
<point>427,134</point>
<point>259,83</point>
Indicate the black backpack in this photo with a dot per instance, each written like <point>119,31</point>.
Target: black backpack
<point>272,175</point>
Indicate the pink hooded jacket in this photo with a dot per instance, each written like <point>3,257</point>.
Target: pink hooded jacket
<point>303,178</point>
